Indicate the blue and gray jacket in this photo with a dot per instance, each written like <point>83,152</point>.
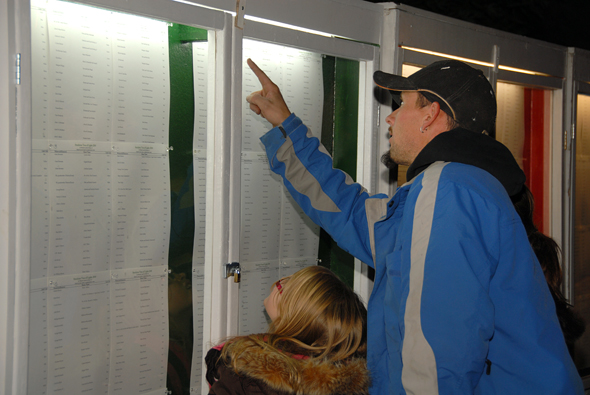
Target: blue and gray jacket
<point>460,304</point>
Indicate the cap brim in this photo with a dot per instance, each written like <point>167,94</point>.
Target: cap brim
<point>393,82</point>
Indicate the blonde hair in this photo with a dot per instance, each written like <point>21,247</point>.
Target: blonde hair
<point>318,316</point>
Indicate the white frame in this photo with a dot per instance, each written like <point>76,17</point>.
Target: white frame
<point>386,24</point>
<point>367,153</point>
<point>354,19</point>
<point>578,75</point>
<point>577,82</point>
<point>424,30</point>
<point>15,200</point>
<point>174,11</point>
<point>224,135</point>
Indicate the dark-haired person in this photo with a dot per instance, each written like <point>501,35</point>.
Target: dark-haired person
<point>548,252</point>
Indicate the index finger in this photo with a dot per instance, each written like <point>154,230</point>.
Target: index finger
<point>262,77</point>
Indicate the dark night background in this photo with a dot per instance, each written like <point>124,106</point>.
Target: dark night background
<point>559,22</point>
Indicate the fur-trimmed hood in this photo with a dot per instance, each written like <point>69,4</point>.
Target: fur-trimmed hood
<point>296,375</point>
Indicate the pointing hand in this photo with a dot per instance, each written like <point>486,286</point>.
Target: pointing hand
<point>268,102</point>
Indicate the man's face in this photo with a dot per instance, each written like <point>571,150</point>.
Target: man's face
<point>404,127</point>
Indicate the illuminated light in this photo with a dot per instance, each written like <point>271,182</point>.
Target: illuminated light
<point>443,55</point>
<point>285,25</point>
<point>233,13</point>
<point>262,20</point>
<point>478,62</point>
<point>516,70</point>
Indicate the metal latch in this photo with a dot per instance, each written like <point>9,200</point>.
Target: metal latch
<point>233,269</point>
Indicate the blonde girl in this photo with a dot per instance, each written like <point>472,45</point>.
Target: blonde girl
<point>316,342</point>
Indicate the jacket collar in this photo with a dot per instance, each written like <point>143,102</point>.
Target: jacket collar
<point>304,375</point>
<point>479,150</point>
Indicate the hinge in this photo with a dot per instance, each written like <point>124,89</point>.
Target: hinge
<point>240,11</point>
<point>18,69</point>
<point>565,140</point>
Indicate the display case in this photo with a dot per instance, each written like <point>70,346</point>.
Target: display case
<point>577,220</point>
<point>142,181</point>
<point>140,222</point>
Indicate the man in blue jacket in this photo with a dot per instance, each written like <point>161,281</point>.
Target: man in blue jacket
<point>460,304</point>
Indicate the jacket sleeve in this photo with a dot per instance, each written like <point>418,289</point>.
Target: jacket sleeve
<point>221,379</point>
<point>229,383</point>
<point>328,196</point>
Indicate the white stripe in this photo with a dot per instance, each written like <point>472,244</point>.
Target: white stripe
<point>302,180</point>
<point>375,209</point>
<point>419,374</point>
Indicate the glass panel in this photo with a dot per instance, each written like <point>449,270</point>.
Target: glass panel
<point>523,125</point>
<point>582,231</point>
<point>277,239</point>
<point>113,207</point>
<point>188,50</point>
<point>510,119</point>
<point>339,136</point>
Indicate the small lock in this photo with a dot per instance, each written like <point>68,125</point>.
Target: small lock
<point>233,269</point>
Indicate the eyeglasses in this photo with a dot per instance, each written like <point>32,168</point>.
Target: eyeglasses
<point>279,284</point>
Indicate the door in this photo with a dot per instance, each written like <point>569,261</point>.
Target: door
<point>121,229</point>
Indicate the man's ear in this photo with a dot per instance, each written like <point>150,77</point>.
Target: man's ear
<point>432,115</point>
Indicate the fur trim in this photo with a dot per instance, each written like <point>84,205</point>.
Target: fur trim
<point>304,376</point>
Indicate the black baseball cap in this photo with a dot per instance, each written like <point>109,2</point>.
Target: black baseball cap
<point>463,92</point>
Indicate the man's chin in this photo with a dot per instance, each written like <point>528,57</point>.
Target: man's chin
<point>387,161</point>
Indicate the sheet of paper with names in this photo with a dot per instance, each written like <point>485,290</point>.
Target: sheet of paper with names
<point>99,271</point>
<point>200,81</point>
<point>277,238</point>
